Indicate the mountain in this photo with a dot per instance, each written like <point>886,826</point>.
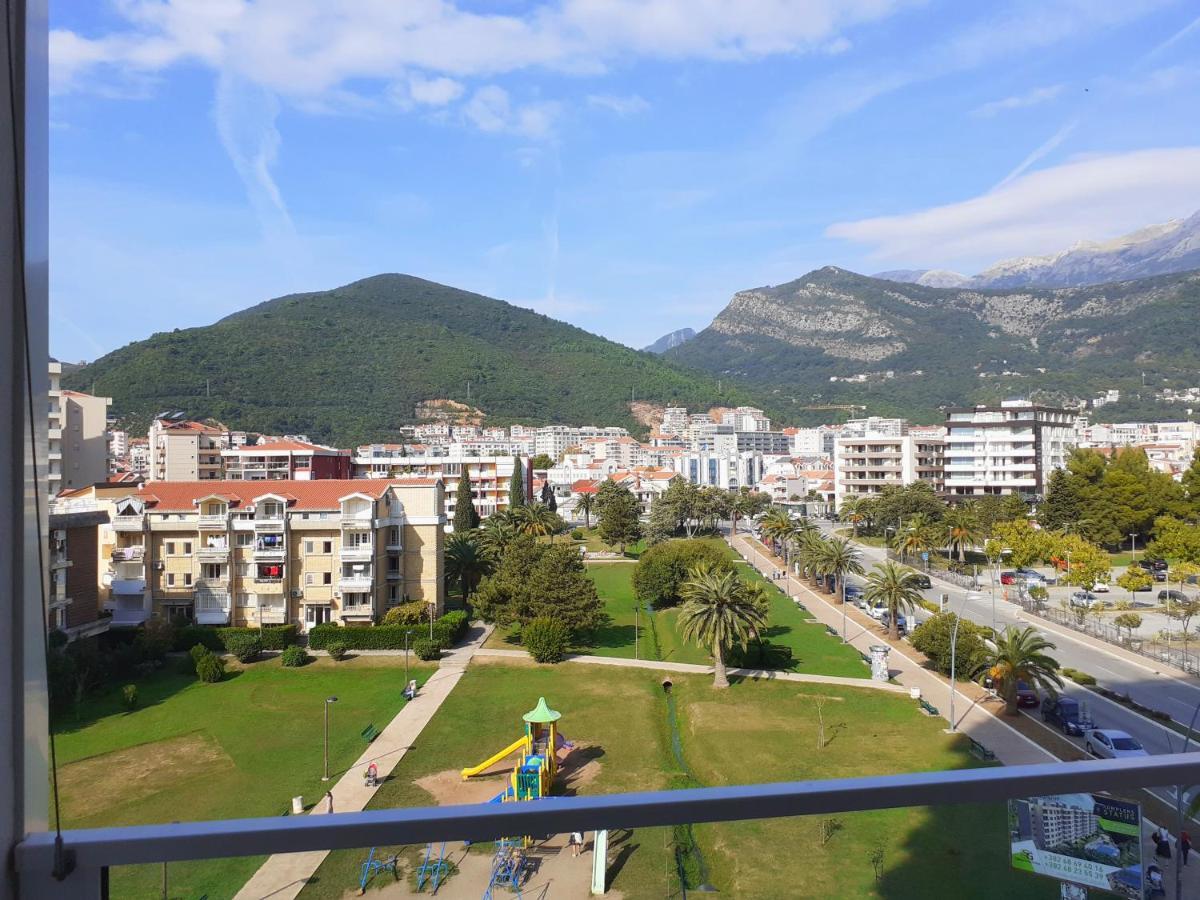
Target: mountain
<point>1173,246</point>
<point>353,363</point>
<point>668,341</point>
<point>836,337</point>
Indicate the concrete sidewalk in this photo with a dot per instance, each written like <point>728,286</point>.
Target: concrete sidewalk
<point>284,875</point>
<point>972,719</point>
<point>696,669</point>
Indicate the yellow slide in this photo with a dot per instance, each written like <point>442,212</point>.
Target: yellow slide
<point>516,745</point>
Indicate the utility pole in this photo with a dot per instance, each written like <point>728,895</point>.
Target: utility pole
<point>1133,547</point>
<point>637,624</point>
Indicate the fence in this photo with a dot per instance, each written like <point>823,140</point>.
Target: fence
<point>1179,656</point>
<point>968,582</point>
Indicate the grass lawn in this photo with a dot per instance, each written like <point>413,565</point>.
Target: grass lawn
<point>754,732</point>
<point>192,751</point>
<point>617,713</point>
<point>813,649</point>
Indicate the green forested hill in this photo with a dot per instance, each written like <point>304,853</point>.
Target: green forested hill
<point>351,364</point>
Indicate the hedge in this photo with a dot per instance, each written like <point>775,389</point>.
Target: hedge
<point>447,631</point>
<point>274,637</point>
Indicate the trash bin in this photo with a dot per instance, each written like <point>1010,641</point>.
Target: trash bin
<point>297,805</point>
<point>879,666</point>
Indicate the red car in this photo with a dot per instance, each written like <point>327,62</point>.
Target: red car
<point>1008,577</point>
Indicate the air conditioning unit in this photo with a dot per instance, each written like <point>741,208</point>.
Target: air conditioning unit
<point>297,594</point>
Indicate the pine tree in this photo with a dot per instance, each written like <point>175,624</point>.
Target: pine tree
<point>516,486</point>
<point>548,498</point>
<point>1061,508</point>
<point>466,517</point>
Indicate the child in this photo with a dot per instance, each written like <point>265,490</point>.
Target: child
<point>576,843</point>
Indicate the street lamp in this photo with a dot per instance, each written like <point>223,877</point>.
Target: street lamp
<point>953,643</point>
<point>431,623</point>
<point>1133,547</point>
<point>328,701</point>
<point>407,635</point>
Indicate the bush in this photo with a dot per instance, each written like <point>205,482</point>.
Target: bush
<point>189,636</point>
<point>293,657</point>
<point>577,535</point>
<point>932,637</point>
<point>336,651</point>
<point>273,637</point>
<point>210,668</point>
<point>1079,677</point>
<point>413,613</point>
<point>456,623</point>
<point>198,652</point>
<point>427,650</point>
<point>375,637</point>
<point>129,696</point>
<point>663,568</point>
<point>279,637</point>
<point>156,639</point>
<point>546,639</point>
<point>244,646</point>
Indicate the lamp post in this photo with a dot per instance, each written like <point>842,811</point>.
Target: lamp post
<point>407,635</point>
<point>953,643</point>
<point>328,701</point>
<point>1133,547</point>
<point>431,623</point>
<point>637,623</point>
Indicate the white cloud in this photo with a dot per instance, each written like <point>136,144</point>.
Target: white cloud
<point>1095,198</point>
<point>490,109</point>
<point>434,91</point>
<point>1040,152</point>
<point>304,47</point>
<point>622,106</point>
<point>1032,97</point>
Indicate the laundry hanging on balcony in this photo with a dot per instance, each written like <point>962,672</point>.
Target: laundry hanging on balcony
<point>271,540</point>
<point>270,571</point>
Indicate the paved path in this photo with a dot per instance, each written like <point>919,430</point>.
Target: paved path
<point>283,875</point>
<point>973,719</point>
<point>696,669</point>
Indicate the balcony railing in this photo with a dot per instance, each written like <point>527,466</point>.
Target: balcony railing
<point>357,521</point>
<point>272,615</point>
<point>358,611</point>
<point>220,521</point>
<point>212,554</point>
<point>360,552</point>
<point>355,583</point>
<point>268,585</point>
<point>128,554</point>
<point>264,523</point>
<point>43,874</point>
<point>127,523</point>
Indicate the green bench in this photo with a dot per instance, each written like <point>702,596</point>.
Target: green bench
<point>928,708</point>
<point>370,733</point>
<point>981,751</point>
<point>831,630</point>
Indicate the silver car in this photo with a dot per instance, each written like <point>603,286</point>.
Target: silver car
<point>1108,743</point>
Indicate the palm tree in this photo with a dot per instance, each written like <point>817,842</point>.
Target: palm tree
<point>585,505</point>
<point>896,588</point>
<point>777,527</point>
<point>916,538</point>
<point>810,545</point>
<point>962,532</point>
<point>851,513</point>
<point>1018,655</point>
<point>466,561</point>
<point>538,520</point>
<point>717,613</point>
<point>497,533</point>
<point>839,558</point>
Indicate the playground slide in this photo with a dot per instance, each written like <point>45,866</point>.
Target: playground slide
<point>516,745</point>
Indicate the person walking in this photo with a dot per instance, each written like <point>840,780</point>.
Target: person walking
<point>1163,846</point>
<point>576,843</point>
<point>329,798</point>
<point>1185,847</point>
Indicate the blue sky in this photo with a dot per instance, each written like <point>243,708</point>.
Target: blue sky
<point>625,166</point>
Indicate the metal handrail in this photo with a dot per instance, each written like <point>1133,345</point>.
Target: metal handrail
<point>93,849</point>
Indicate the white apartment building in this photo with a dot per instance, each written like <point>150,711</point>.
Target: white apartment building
<point>78,436</point>
<point>876,425</point>
<point>490,475</point>
<point>139,456</point>
<point>675,420</point>
<point>118,447</point>
<point>54,458</point>
<point>746,418</point>
<point>1007,449</point>
<point>864,465</point>
<point>185,451</point>
<point>555,440</point>
<point>726,470</point>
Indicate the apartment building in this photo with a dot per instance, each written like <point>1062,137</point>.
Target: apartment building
<point>726,470</point>
<point>308,552</point>
<point>867,461</point>
<point>285,460</point>
<point>1007,449</point>
<point>75,607</point>
<point>78,436</point>
<point>185,451</point>
<point>1054,822</point>
<point>490,475</point>
<point>118,448</point>
<point>675,420</point>
<point>746,418</point>
<point>929,451</point>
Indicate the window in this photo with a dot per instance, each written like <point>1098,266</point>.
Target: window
<point>244,599</point>
<point>169,548</point>
<point>187,548</point>
<point>309,578</point>
<point>243,570</point>
<point>327,578</point>
<point>310,548</point>
<point>244,539</point>
<point>170,579</point>
<point>187,579</point>
<point>327,547</point>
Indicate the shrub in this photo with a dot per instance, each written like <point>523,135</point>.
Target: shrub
<point>457,624</point>
<point>198,652</point>
<point>407,614</point>
<point>663,568</point>
<point>336,651</point>
<point>376,637</point>
<point>58,639</point>
<point>244,646</point>
<point>293,657</point>
<point>932,637</point>
<point>129,696</point>
<point>577,535</point>
<point>157,639</point>
<point>427,650</point>
<point>210,668</point>
<point>1079,677</point>
<point>546,639</point>
<point>190,635</point>
<point>279,637</point>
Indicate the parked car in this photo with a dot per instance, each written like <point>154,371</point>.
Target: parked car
<point>901,622</point>
<point>1032,577</point>
<point>923,582</point>
<point>1156,567</point>
<point>1027,696</point>
<point>1173,596</point>
<point>1085,599</point>
<point>853,592</point>
<point>1108,743</point>
<point>1100,587</point>
<point>1008,577</point>
<point>877,612</point>
<point>1065,713</point>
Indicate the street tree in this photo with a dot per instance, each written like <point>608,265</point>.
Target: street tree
<point>1019,654</point>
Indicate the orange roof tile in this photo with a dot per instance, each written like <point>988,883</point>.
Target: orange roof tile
<point>281,445</point>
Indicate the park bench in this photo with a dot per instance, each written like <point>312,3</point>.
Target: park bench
<point>981,751</point>
<point>370,733</point>
<point>928,708</point>
<point>831,630</point>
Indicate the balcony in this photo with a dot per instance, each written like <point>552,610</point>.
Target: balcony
<point>394,575</point>
<point>213,553</point>
<point>209,522</point>
<point>358,611</point>
<point>355,583</point>
<point>267,553</point>
<point>357,521</point>
<point>127,586</point>
<point>211,607</point>
<point>267,585</point>
<point>128,554</point>
<point>357,552</point>
<point>273,614</point>
<point>127,523</point>
<point>262,523</point>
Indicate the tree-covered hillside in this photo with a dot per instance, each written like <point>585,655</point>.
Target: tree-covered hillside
<point>351,364</point>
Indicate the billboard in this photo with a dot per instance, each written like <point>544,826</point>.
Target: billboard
<point>1085,839</point>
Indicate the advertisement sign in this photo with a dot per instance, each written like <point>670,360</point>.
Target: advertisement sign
<point>1084,839</point>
